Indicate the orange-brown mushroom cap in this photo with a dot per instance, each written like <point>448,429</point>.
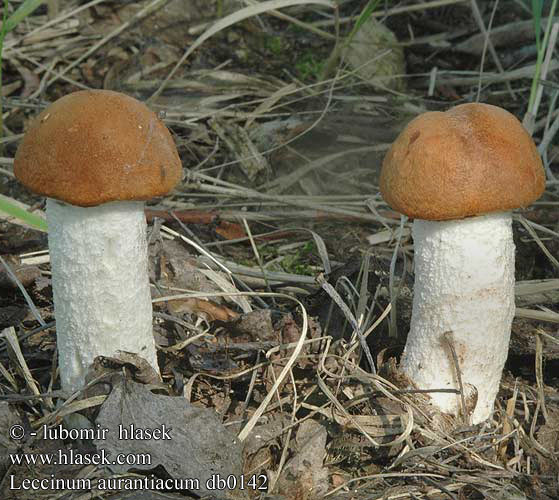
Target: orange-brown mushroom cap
<point>470,160</point>
<point>96,146</point>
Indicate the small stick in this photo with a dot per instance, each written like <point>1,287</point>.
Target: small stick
<point>449,340</point>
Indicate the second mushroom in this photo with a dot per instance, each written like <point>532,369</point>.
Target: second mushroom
<point>459,174</point>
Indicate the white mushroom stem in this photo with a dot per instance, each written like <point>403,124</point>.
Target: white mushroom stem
<point>100,284</point>
<point>464,284</point>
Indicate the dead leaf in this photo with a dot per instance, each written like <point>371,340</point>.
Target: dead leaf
<point>548,437</point>
<point>304,477</point>
<point>230,230</point>
<point>211,359</point>
<point>189,442</point>
<point>263,442</point>
<point>210,310</point>
<point>257,325</point>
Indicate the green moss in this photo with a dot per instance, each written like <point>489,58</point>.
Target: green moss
<point>274,44</point>
<point>308,66</point>
<point>301,261</point>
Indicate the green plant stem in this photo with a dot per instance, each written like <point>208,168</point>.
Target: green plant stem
<point>541,54</point>
<point>2,36</point>
<point>339,47</point>
<point>22,214</point>
<point>25,9</point>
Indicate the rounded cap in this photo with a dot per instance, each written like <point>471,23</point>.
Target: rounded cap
<point>470,160</point>
<point>96,146</point>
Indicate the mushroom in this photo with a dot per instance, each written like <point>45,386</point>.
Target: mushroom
<point>459,174</point>
<point>96,154</point>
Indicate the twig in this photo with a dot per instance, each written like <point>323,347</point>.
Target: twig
<point>450,343</point>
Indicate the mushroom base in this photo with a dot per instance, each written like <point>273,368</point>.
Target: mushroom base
<point>463,293</point>
<point>100,284</point>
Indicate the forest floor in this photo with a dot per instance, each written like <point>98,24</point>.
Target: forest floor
<point>282,282</point>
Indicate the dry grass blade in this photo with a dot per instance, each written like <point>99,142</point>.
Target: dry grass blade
<point>549,316</point>
<point>335,296</point>
<point>539,376</point>
<point>256,252</point>
<point>269,102</point>
<point>196,246</point>
<point>230,20</point>
<point>488,44</point>
<point>549,135</point>
<point>69,408</point>
<point>9,377</point>
<point>529,227</point>
<point>545,66</point>
<point>209,184</point>
<point>288,366</point>
<point>62,17</point>
<point>454,78</point>
<point>10,337</point>
<point>376,323</point>
<point>23,291</point>
<point>142,14</point>
<point>536,286</point>
<point>297,22</point>
<point>415,7</point>
<point>287,181</point>
<point>228,288</point>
